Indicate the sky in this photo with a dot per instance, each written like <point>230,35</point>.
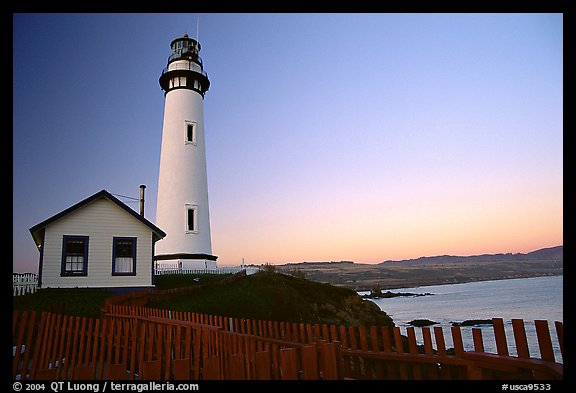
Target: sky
<point>359,137</point>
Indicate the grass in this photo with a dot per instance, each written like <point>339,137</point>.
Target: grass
<point>260,296</point>
<point>264,295</point>
<point>85,302</point>
<point>169,281</point>
<point>274,296</point>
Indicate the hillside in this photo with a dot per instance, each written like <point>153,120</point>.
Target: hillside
<point>262,296</point>
<point>274,296</point>
<point>435,270</point>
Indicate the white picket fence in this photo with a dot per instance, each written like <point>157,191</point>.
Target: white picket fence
<point>24,283</point>
<point>174,269</point>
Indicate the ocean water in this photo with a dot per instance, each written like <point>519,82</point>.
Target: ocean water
<point>524,298</point>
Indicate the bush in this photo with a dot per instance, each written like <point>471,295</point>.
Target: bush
<point>298,273</point>
<point>168,281</point>
<point>84,302</point>
<point>268,268</point>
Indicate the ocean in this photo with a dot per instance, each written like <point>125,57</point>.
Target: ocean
<point>523,298</point>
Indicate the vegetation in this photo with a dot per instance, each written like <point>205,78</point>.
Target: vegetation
<point>298,273</point>
<point>169,281</point>
<point>376,291</point>
<point>266,295</point>
<point>84,302</point>
<point>272,296</point>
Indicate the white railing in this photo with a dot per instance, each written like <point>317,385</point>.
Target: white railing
<point>174,269</point>
<point>24,283</point>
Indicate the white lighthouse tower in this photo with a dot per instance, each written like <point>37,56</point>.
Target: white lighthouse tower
<point>182,204</point>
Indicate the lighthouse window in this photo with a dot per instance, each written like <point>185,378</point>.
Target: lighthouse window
<point>177,82</point>
<point>190,219</point>
<point>190,132</point>
<point>191,223</point>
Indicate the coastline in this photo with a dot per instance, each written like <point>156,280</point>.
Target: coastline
<point>525,298</point>
<point>425,271</point>
<point>436,270</point>
<point>414,283</point>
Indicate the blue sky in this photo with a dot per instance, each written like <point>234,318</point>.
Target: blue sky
<point>362,137</point>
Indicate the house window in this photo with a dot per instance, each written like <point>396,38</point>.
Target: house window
<point>124,256</point>
<point>191,219</point>
<point>74,256</point>
<point>190,136</point>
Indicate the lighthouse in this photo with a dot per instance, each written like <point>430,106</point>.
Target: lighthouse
<point>182,201</point>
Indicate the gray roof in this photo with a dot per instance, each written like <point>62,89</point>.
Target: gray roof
<point>36,230</point>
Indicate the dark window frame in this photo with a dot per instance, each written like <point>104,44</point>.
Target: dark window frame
<point>190,133</point>
<point>190,219</point>
<point>115,240</point>
<point>74,273</point>
<point>191,229</point>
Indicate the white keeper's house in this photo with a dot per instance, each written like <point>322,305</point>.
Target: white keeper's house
<point>100,242</point>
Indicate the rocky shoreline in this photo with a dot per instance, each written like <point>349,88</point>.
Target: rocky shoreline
<point>389,294</point>
<point>468,322</point>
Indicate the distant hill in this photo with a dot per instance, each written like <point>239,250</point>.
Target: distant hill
<point>434,270</point>
<point>548,253</point>
<point>544,254</point>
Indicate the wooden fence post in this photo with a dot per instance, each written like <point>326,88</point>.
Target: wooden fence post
<point>477,338</point>
<point>151,347</point>
<point>413,349</point>
<point>262,365</point>
<point>544,341</point>
<point>520,338</point>
<point>235,368</point>
<point>400,349</point>
<point>288,364</point>
<point>560,334</point>
<point>329,360</point>
<point>355,362</point>
<point>309,362</point>
<point>429,350</point>
<point>211,368</point>
<point>18,346</point>
<point>378,366</point>
<point>458,371</point>
<point>500,336</point>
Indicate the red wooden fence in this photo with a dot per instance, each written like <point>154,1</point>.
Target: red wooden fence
<point>143,344</point>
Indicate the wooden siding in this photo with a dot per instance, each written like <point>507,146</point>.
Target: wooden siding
<point>100,220</point>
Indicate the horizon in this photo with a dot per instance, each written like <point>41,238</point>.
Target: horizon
<point>400,136</point>
<point>402,260</point>
<point>375,263</point>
